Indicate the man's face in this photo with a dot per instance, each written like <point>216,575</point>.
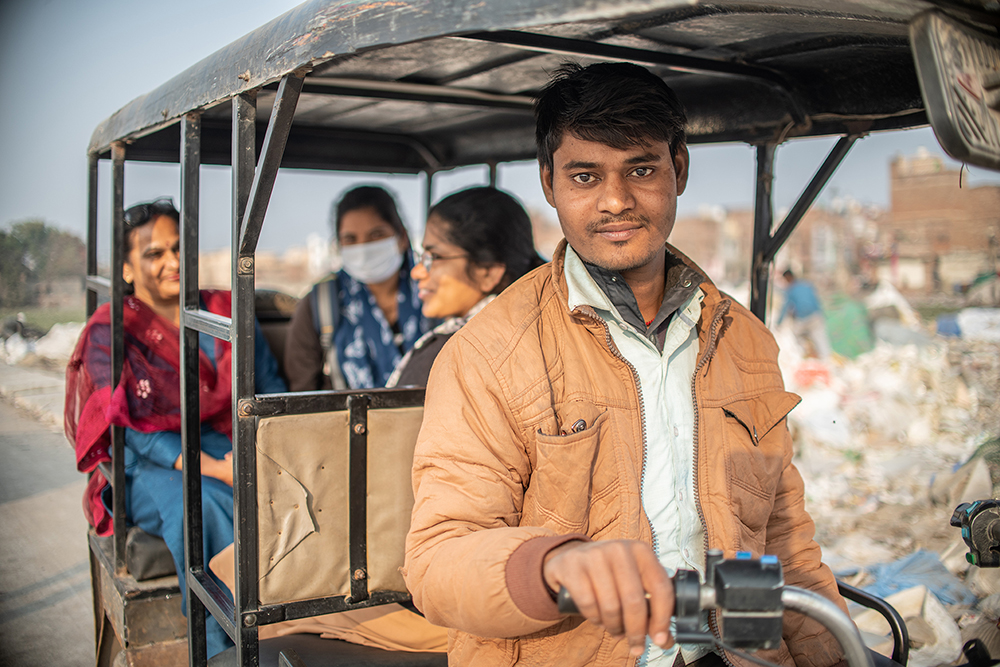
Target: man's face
<point>616,207</point>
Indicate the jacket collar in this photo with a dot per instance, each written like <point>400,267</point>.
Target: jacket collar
<point>713,297</point>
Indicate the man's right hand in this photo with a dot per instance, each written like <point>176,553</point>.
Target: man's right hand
<point>618,585</point>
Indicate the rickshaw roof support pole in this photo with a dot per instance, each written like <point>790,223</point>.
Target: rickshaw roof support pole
<point>493,174</point>
<point>680,63</point>
<point>194,560</point>
<point>118,346</point>
<point>270,159</point>
<point>808,196</point>
<point>766,245</point>
<point>91,233</point>
<point>763,216</point>
<point>429,190</point>
<point>244,426</point>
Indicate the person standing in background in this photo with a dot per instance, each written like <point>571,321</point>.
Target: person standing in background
<point>808,321</point>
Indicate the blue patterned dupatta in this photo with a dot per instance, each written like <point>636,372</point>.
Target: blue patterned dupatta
<point>365,343</point>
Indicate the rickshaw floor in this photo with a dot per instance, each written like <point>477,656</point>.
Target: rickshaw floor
<point>314,651</point>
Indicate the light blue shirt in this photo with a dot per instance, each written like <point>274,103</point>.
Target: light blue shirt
<point>664,380</point>
<point>800,301</point>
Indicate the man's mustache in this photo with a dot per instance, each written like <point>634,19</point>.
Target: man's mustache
<point>596,225</point>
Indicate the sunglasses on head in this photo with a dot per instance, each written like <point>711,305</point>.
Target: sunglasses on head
<point>140,214</point>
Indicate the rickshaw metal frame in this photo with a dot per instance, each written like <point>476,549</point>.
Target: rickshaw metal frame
<point>147,123</point>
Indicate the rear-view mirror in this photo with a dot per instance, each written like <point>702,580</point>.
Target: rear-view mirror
<point>959,71</point>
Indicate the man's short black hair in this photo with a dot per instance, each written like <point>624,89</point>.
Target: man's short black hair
<point>616,104</point>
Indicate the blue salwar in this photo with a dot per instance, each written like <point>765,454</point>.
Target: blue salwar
<point>154,488</point>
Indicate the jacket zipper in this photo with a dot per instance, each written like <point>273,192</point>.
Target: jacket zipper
<point>713,333</point>
<point>613,349</point>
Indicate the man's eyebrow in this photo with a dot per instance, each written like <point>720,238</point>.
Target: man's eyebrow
<point>645,157</point>
<point>579,164</point>
<point>637,159</point>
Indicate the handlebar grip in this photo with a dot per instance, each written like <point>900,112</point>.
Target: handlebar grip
<point>565,602</point>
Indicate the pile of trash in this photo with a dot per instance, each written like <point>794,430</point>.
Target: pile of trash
<point>22,345</point>
<point>889,443</point>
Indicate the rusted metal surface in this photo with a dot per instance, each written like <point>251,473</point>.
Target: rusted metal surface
<point>141,613</point>
<point>163,654</point>
<point>412,85</point>
<point>316,32</point>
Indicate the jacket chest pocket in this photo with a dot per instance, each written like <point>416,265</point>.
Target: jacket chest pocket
<point>562,488</point>
<point>755,440</point>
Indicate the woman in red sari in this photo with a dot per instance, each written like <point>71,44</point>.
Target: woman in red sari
<point>147,400</point>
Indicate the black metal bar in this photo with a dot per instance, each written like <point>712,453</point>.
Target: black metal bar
<point>493,174</point>
<point>92,290</point>
<point>429,190</point>
<point>416,92</point>
<point>808,196</point>
<point>357,493</point>
<point>118,252</point>
<point>218,326</point>
<point>106,470</point>
<point>194,556</point>
<point>673,61</point>
<point>270,159</point>
<point>581,47</point>
<point>288,611</point>
<point>97,285</point>
<point>244,427</point>
<point>214,599</point>
<point>900,635</point>
<point>309,402</point>
<point>289,658</point>
<point>762,219</point>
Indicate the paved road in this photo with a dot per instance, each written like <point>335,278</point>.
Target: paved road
<point>46,617</point>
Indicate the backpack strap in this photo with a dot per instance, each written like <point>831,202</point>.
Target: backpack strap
<point>326,307</point>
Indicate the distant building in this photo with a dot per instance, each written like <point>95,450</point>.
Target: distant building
<point>292,272</point>
<point>936,236</point>
<point>824,247</point>
<point>718,240</point>
<point>940,233</point>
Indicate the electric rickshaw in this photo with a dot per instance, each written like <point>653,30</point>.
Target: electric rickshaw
<point>418,87</point>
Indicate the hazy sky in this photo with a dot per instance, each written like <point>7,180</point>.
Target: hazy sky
<point>66,65</point>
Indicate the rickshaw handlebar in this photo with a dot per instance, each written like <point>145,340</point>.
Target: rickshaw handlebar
<point>749,597</point>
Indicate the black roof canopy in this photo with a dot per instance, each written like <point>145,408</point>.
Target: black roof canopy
<point>409,85</point>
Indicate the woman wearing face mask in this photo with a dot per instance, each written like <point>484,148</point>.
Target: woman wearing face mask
<point>477,242</point>
<point>352,329</point>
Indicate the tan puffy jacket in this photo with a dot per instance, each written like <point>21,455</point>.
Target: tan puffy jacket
<point>497,484</point>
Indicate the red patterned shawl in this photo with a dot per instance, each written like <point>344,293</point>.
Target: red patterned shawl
<point>147,398</point>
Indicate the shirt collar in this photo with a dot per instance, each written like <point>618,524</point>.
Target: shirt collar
<point>602,289</point>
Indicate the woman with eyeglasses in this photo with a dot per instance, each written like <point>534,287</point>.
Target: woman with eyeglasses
<point>353,328</point>
<point>477,242</point>
<point>147,400</point>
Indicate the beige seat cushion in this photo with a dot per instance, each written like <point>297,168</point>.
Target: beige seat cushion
<point>302,491</point>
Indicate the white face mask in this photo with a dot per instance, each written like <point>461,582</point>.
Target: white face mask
<point>373,262</point>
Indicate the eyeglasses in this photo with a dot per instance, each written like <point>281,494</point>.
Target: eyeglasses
<point>140,214</point>
<point>427,259</point>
